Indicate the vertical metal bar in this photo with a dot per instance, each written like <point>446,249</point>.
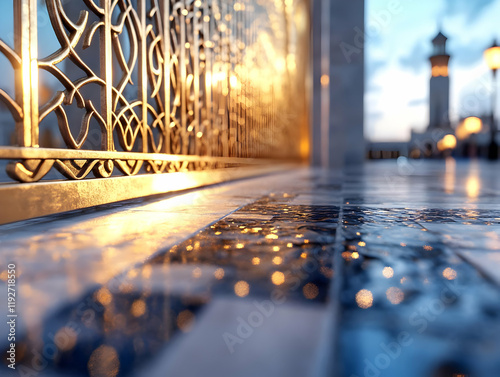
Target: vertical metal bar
<point>208,75</point>
<point>165,8</point>
<point>196,73</point>
<point>143,74</point>
<point>26,45</point>
<point>183,78</point>
<point>225,89</point>
<point>325,89</point>
<point>106,60</point>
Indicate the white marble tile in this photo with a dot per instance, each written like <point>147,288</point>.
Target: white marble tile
<point>282,342</point>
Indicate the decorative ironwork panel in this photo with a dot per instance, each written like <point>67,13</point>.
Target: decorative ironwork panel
<point>153,86</point>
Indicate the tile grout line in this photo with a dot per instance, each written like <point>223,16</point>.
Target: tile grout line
<point>328,359</point>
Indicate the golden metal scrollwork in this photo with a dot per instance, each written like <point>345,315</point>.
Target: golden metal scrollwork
<point>183,85</point>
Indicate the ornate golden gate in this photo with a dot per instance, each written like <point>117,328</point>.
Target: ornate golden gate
<point>149,96</point>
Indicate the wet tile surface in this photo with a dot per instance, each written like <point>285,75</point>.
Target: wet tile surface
<point>388,271</point>
<point>289,254</point>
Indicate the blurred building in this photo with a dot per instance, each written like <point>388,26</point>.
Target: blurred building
<point>439,91</point>
<point>468,138</point>
<point>425,144</point>
<point>387,150</point>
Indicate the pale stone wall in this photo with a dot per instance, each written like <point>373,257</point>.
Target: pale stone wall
<point>343,31</point>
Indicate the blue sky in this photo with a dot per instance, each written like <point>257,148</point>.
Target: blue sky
<point>398,71</point>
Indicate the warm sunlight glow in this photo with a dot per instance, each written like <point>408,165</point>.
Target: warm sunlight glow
<point>104,361</point>
<point>310,291</point>
<point>219,273</point>
<point>278,278</point>
<point>449,176</point>
<point>472,187</point>
<point>388,272</point>
<point>241,288</point>
<point>138,308</point>
<point>185,320</point>
<point>364,299</point>
<point>395,295</point>
<point>449,273</point>
<point>325,80</point>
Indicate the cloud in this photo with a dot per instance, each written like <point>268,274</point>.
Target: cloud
<point>416,60</point>
<point>418,102</point>
<point>373,66</point>
<point>375,116</point>
<point>373,88</point>
<point>472,8</point>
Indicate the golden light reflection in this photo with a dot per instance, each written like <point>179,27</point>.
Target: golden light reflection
<point>310,291</point>
<point>395,295</point>
<point>132,273</point>
<point>138,308</point>
<point>277,260</point>
<point>449,273</point>
<point>242,288</point>
<point>388,272</point>
<point>219,273</point>
<point>447,142</point>
<point>449,175</point>
<point>325,80</point>
<point>65,338</point>
<point>327,272</point>
<point>197,273</point>
<point>240,246</point>
<point>272,236</point>
<point>472,186</point>
<point>104,361</point>
<point>289,245</point>
<point>255,261</point>
<point>104,296</point>
<point>146,271</point>
<point>233,81</point>
<point>276,248</point>
<point>278,278</point>
<point>185,320</point>
<point>364,299</point>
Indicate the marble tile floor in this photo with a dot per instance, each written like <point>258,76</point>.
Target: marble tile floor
<point>389,270</point>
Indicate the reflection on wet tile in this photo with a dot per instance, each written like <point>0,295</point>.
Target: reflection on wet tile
<point>147,288</point>
<point>272,330</point>
<point>326,199</point>
<point>266,246</point>
<point>487,261</point>
<point>409,295</point>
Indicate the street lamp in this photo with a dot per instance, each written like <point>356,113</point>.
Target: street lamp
<point>492,57</point>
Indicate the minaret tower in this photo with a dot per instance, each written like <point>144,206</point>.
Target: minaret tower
<point>439,96</point>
